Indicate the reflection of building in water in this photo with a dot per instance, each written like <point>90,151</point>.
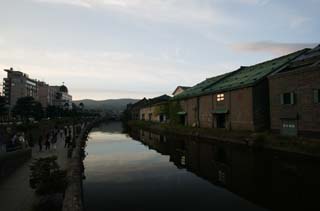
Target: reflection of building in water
<point>154,141</point>
<point>280,181</point>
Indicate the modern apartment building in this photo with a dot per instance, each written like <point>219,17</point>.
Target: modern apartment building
<point>46,94</point>
<point>18,84</point>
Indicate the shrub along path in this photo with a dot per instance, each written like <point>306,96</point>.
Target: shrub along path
<point>15,192</point>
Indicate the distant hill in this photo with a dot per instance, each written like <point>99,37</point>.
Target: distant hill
<point>112,104</point>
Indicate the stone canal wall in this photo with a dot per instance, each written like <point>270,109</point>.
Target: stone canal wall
<point>299,145</point>
<point>73,195</point>
<point>73,199</point>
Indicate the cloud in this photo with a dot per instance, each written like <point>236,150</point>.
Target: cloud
<point>254,2</point>
<point>79,3</point>
<point>276,48</point>
<point>299,21</point>
<point>174,11</point>
<point>2,41</point>
<point>98,73</point>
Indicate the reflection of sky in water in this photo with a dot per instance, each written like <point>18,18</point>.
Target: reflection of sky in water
<point>123,174</point>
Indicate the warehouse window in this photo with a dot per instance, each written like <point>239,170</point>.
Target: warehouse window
<point>287,98</point>
<point>220,97</point>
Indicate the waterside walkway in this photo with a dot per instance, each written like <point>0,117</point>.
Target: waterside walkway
<point>15,192</point>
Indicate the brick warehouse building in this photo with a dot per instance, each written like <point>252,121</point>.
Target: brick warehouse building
<point>238,100</point>
<point>295,96</point>
<point>150,111</point>
<point>134,109</point>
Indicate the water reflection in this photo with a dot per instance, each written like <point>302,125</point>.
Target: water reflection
<point>124,174</point>
<point>273,179</point>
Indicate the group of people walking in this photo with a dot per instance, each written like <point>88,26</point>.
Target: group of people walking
<point>47,140</point>
<point>57,135</point>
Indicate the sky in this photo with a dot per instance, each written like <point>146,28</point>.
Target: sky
<point>107,49</point>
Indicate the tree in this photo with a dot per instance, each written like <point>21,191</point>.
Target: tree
<point>3,106</point>
<point>66,106</point>
<point>81,105</point>
<point>54,111</point>
<point>49,182</point>
<point>27,107</point>
<point>47,177</point>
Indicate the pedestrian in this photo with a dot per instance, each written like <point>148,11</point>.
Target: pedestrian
<point>65,131</point>
<point>62,136</point>
<point>14,140</point>
<point>71,132</point>
<point>66,141</point>
<point>2,143</point>
<point>22,140</point>
<point>40,143</point>
<point>54,140</point>
<point>47,143</point>
<point>30,140</point>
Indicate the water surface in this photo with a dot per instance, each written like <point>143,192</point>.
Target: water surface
<point>148,171</point>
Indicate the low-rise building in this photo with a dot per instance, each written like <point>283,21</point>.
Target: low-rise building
<point>62,97</point>
<point>179,90</point>
<point>153,109</point>
<point>238,100</point>
<point>295,96</point>
<point>134,109</point>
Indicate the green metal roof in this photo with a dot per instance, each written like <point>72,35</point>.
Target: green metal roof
<point>198,88</point>
<point>248,76</point>
<point>243,77</point>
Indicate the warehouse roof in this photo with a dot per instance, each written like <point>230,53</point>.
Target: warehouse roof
<point>245,76</point>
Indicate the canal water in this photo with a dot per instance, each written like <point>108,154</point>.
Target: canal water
<point>141,170</point>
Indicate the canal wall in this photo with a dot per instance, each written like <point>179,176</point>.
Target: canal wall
<point>10,161</point>
<point>73,197</point>
<point>299,145</point>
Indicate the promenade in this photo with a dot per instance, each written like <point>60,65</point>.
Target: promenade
<point>15,192</point>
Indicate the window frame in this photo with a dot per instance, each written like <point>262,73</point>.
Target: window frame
<point>220,97</point>
<point>284,100</point>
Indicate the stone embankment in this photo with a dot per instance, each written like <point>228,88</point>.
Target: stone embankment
<point>265,140</point>
<point>73,199</point>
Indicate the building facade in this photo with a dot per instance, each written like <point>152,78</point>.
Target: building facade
<point>295,97</point>
<point>179,90</point>
<point>62,97</point>
<point>17,85</point>
<point>238,100</point>
<point>153,109</point>
<point>46,94</point>
<point>134,109</point>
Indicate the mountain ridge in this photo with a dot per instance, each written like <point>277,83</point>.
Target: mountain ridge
<point>108,104</point>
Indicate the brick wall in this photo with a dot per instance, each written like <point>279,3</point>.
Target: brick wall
<point>241,109</point>
<point>150,110</point>
<point>301,82</point>
<point>205,111</point>
<point>190,106</point>
<point>261,113</point>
